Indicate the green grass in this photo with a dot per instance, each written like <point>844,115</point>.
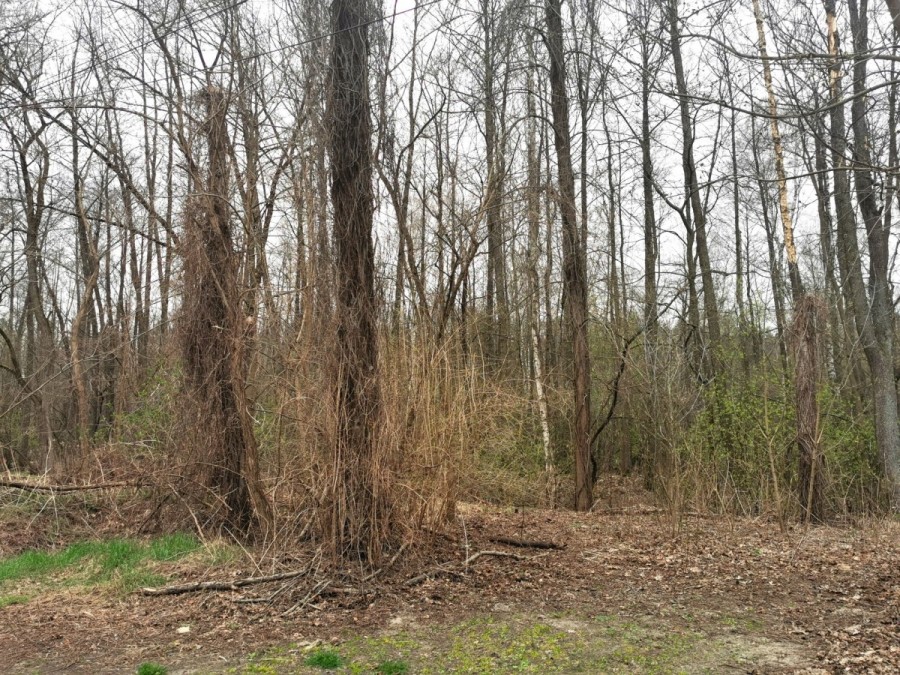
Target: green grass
<point>151,669</point>
<point>6,600</point>
<point>325,659</point>
<point>123,562</point>
<point>392,668</point>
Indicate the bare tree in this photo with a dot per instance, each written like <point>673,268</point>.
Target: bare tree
<point>695,206</point>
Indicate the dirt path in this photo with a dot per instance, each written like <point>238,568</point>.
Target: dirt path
<point>623,595</point>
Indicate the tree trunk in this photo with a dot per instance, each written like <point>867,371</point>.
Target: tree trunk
<point>360,516</point>
<point>574,259</point>
<point>497,308</point>
<point>808,316</point>
<point>878,330</point>
<point>787,220</point>
<point>894,9</point>
<point>534,287</point>
<point>651,241</point>
<point>710,304</point>
<point>775,270</point>
<point>214,344</point>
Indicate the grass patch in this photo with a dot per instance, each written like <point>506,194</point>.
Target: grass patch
<point>173,546</point>
<point>7,600</point>
<point>486,645</point>
<point>122,562</point>
<point>385,653</point>
<point>326,659</point>
<point>151,669</point>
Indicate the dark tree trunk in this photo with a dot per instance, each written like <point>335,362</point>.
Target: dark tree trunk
<point>651,240</point>
<point>574,259</point>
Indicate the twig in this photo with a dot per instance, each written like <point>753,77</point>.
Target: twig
<point>527,543</point>
<point>269,600</point>
<point>221,585</point>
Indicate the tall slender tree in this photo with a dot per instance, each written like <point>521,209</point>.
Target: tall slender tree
<point>574,258</point>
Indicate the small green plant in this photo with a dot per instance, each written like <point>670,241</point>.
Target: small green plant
<point>325,659</point>
<point>392,668</point>
<point>150,668</point>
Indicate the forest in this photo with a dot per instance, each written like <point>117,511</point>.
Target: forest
<point>322,315</point>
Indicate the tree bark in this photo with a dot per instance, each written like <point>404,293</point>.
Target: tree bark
<point>894,9</point>
<point>534,287</point>
<point>651,241</point>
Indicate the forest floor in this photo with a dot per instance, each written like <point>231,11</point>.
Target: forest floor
<point>627,591</point>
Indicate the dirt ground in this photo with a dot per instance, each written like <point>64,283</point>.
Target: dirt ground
<point>624,592</point>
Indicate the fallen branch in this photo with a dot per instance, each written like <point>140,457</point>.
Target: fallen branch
<point>221,585</point>
<point>527,543</point>
<point>23,485</point>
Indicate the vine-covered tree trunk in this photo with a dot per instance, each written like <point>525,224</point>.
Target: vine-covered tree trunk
<point>213,345</point>
<point>359,510</point>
